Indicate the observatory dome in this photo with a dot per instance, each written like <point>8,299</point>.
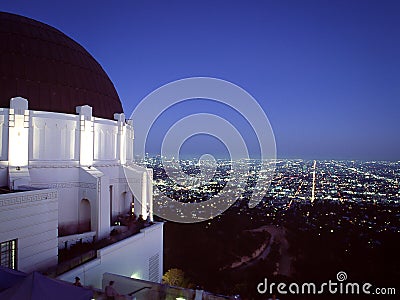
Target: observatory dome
<point>52,71</point>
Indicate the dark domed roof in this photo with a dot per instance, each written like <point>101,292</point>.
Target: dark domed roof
<point>53,72</point>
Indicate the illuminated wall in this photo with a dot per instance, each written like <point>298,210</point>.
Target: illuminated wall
<point>18,134</point>
<point>53,150</point>
<point>140,255</point>
<point>31,218</point>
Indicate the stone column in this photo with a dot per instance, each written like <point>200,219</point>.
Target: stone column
<point>121,139</point>
<point>86,135</point>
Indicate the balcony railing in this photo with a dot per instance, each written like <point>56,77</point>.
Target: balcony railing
<point>81,252</point>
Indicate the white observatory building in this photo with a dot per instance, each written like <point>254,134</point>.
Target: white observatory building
<point>66,207</point>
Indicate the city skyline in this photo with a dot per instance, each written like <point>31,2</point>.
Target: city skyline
<point>92,196</point>
<point>325,73</point>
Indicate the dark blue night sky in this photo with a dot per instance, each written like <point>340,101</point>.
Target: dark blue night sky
<point>327,73</point>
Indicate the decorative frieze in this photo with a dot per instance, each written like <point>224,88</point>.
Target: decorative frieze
<point>26,197</point>
<point>66,185</point>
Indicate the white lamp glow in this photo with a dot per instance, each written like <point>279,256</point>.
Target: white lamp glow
<point>18,132</point>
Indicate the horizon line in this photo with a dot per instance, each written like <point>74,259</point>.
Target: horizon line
<point>188,157</point>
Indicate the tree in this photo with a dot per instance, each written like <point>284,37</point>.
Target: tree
<point>176,277</point>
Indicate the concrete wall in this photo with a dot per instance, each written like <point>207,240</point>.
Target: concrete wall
<point>4,112</point>
<point>139,256</point>
<point>75,183</point>
<point>66,181</point>
<point>56,137</point>
<point>53,137</point>
<point>105,140</point>
<point>121,194</point>
<point>79,157</point>
<point>31,217</point>
<point>55,146</point>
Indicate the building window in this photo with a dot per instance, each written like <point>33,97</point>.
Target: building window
<point>8,254</point>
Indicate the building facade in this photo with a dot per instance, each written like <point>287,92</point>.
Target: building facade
<point>67,174</point>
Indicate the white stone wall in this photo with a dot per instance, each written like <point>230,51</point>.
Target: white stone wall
<point>66,181</point>
<point>129,140</point>
<point>4,134</point>
<point>55,152</point>
<point>53,137</point>
<point>105,140</point>
<point>31,218</point>
<point>130,257</point>
<point>121,193</point>
<point>74,159</point>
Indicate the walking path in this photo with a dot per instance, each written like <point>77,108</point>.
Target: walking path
<point>278,234</point>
